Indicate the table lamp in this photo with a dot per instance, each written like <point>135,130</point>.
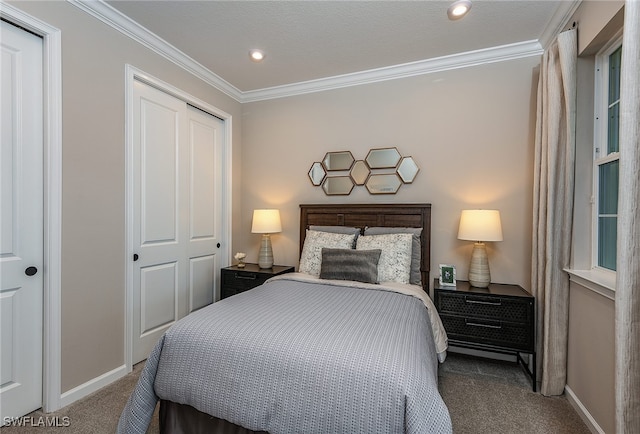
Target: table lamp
<point>480,225</point>
<point>266,222</point>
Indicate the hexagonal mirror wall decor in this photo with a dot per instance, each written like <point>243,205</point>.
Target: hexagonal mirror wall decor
<point>334,161</point>
<point>316,173</point>
<point>407,170</point>
<point>359,172</point>
<point>383,171</point>
<point>383,184</point>
<point>337,185</point>
<point>384,158</point>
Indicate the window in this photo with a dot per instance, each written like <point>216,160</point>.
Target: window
<point>607,155</point>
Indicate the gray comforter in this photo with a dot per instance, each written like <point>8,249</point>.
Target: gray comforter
<point>295,356</point>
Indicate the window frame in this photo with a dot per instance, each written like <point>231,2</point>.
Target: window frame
<point>600,143</point>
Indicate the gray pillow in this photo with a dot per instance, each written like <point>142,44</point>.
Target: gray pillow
<point>349,264</point>
<point>338,230</point>
<point>415,276</point>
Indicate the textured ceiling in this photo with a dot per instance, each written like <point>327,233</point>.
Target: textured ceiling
<point>309,40</point>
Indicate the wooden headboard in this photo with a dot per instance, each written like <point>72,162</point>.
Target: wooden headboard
<point>362,215</point>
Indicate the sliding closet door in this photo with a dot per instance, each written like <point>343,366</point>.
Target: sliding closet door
<point>176,161</point>
<point>206,138</point>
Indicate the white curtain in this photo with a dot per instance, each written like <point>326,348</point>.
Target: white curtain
<point>627,377</point>
<point>553,207</point>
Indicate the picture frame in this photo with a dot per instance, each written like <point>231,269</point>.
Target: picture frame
<point>447,275</point>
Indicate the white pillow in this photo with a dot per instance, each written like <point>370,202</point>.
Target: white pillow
<point>314,242</point>
<point>395,259</point>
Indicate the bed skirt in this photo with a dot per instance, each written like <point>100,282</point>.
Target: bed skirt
<point>184,419</point>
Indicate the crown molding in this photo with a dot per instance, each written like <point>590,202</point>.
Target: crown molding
<point>132,29</point>
<point>135,31</point>
<point>438,64</point>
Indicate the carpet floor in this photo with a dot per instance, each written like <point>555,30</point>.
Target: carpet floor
<point>483,396</point>
<point>490,396</point>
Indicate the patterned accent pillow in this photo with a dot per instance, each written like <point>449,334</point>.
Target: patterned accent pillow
<point>350,264</point>
<point>314,242</point>
<point>395,260</point>
<point>415,277</point>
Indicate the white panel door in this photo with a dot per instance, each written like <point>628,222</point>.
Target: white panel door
<point>206,136</point>
<point>21,222</point>
<point>159,197</point>
<point>176,161</point>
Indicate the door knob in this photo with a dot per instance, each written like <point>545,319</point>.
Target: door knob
<point>135,257</point>
<point>30,271</point>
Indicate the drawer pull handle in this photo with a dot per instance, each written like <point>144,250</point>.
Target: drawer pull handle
<point>246,276</point>
<point>492,303</point>
<point>489,326</point>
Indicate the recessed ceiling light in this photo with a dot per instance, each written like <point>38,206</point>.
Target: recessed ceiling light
<point>458,9</point>
<point>256,55</point>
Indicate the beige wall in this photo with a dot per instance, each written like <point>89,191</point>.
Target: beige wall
<point>469,130</point>
<point>93,184</point>
<point>590,363</point>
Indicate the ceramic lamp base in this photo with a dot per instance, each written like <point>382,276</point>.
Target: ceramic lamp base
<point>265,257</point>
<point>479,274</point>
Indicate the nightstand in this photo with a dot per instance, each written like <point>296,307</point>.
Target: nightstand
<point>236,280</point>
<point>500,318</point>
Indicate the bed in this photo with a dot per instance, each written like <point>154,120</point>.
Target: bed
<point>348,344</point>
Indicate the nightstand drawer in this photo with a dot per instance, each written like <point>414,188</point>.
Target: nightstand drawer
<point>489,307</point>
<point>488,332</point>
<point>243,280</point>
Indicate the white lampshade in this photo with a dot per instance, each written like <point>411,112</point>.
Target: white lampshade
<point>266,221</point>
<point>480,225</point>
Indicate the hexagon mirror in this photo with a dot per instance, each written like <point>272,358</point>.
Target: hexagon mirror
<point>383,183</point>
<point>407,170</point>
<point>316,173</point>
<point>334,161</point>
<point>337,185</point>
<point>359,172</point>
<point>384,158</point>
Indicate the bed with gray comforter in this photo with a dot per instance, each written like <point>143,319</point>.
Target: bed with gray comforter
<point>302,355</point>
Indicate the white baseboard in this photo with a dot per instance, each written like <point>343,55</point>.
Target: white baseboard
<point>91,386</point>
<point>583,412</point>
